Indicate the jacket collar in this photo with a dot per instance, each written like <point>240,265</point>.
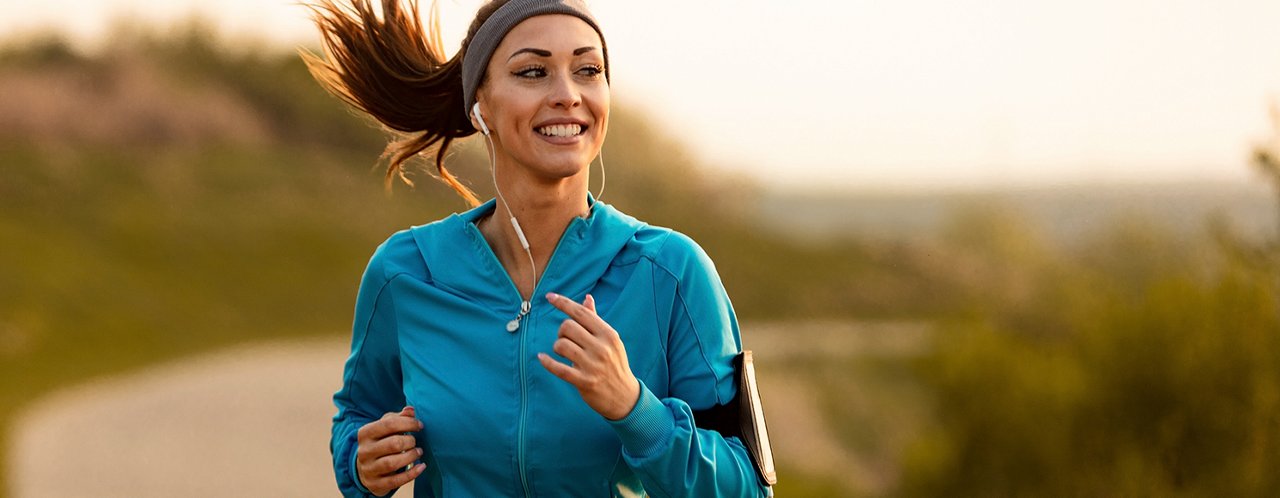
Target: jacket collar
<point>458,257</point>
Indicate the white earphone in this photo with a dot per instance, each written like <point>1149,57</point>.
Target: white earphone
<point>475,111</point>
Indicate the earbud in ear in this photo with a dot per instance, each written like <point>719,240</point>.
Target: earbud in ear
<point>475,111</point>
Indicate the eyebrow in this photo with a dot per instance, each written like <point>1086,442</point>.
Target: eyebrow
<point>547,53</point>
<point>534,51</point>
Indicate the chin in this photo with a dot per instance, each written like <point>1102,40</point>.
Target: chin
<point>565,170</point>
<point>561,167</point>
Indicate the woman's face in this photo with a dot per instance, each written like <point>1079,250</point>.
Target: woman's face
<point>545,98</point>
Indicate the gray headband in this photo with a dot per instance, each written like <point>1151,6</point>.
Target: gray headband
<point>495,28</point>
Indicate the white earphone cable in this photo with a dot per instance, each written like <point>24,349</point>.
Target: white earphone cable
<point>525,306</point>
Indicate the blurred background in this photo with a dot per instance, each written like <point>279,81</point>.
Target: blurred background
<point>979,248</point>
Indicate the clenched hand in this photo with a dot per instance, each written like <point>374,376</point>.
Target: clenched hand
<point>383,448</point>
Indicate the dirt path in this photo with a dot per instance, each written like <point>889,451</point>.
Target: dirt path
<point>254,420</point>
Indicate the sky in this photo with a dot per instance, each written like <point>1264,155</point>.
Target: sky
<point>873,94</point>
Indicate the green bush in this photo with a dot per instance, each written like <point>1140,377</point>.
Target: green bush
<point>1140,367</point>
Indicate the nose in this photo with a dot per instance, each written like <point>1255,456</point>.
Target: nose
<point>564,93</point>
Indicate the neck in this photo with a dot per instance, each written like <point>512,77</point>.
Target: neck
<point>544,210</point>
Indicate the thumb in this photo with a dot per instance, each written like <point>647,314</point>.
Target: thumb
<point>407,411</point>
<point>590,303</point>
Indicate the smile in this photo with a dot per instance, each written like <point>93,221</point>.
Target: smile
<point>562,130</point>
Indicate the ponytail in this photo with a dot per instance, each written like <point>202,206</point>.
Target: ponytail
<point>394,69</point>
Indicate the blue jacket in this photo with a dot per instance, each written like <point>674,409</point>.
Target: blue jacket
<point>430,332</point>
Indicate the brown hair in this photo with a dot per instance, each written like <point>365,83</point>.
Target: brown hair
<point>394,69</point>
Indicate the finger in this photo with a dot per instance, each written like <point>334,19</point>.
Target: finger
<point>568,350</point>
<point>393,463</point>
<point>409,415</point>
<point>574,331</point>
<point>369,451</point>
<point>590,303</point>
<point>395,481</point>
<point>391,423</point>
<point>564,372</point>
<point>390,445</point>
<point>578,313</point>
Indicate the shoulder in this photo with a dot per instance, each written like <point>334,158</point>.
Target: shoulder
<point>396,255</point>
<point>671,251</point>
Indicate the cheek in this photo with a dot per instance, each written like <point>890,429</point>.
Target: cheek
<point>519,115</point>
<point>602,101</point>
<point>510,109</point>
<point>600,109</point>
<point>602,127</point>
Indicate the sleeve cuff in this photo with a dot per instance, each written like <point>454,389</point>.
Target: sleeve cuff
<point>355,475</point>
<point>647,428</point>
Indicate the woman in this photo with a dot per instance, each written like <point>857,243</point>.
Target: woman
<point>542,343</point>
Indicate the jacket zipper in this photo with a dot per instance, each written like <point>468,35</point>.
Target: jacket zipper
<point>526,313</point>
<point>524,338</point>
<point>524,407</point>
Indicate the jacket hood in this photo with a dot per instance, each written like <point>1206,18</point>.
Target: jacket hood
<point>459,258</point>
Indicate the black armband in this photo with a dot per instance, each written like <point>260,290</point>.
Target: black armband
<point>743,417</point>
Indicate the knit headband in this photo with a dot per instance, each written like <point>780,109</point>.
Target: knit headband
<point>495,28</point>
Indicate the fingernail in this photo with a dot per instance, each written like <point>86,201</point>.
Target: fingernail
<point>419,451</point>
<point>551,296</point>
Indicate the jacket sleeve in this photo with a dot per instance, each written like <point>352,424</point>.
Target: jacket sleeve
<point>659,440</point>
<point>371,381</point>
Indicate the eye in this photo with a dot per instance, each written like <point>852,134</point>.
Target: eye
<point>592,71</point>
<point>531,72</point>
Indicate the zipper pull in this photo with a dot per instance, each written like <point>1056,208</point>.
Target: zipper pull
<point>514,324</point>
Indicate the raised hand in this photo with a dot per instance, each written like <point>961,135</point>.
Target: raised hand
<point>598,361</point>
<point>383,449</point>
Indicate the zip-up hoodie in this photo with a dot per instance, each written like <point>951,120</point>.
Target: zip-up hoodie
<point>430,332</point>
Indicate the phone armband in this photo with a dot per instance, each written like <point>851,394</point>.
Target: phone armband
<point>743,417</point>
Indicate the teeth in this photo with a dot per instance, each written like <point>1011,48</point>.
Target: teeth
<point>565,130</point>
